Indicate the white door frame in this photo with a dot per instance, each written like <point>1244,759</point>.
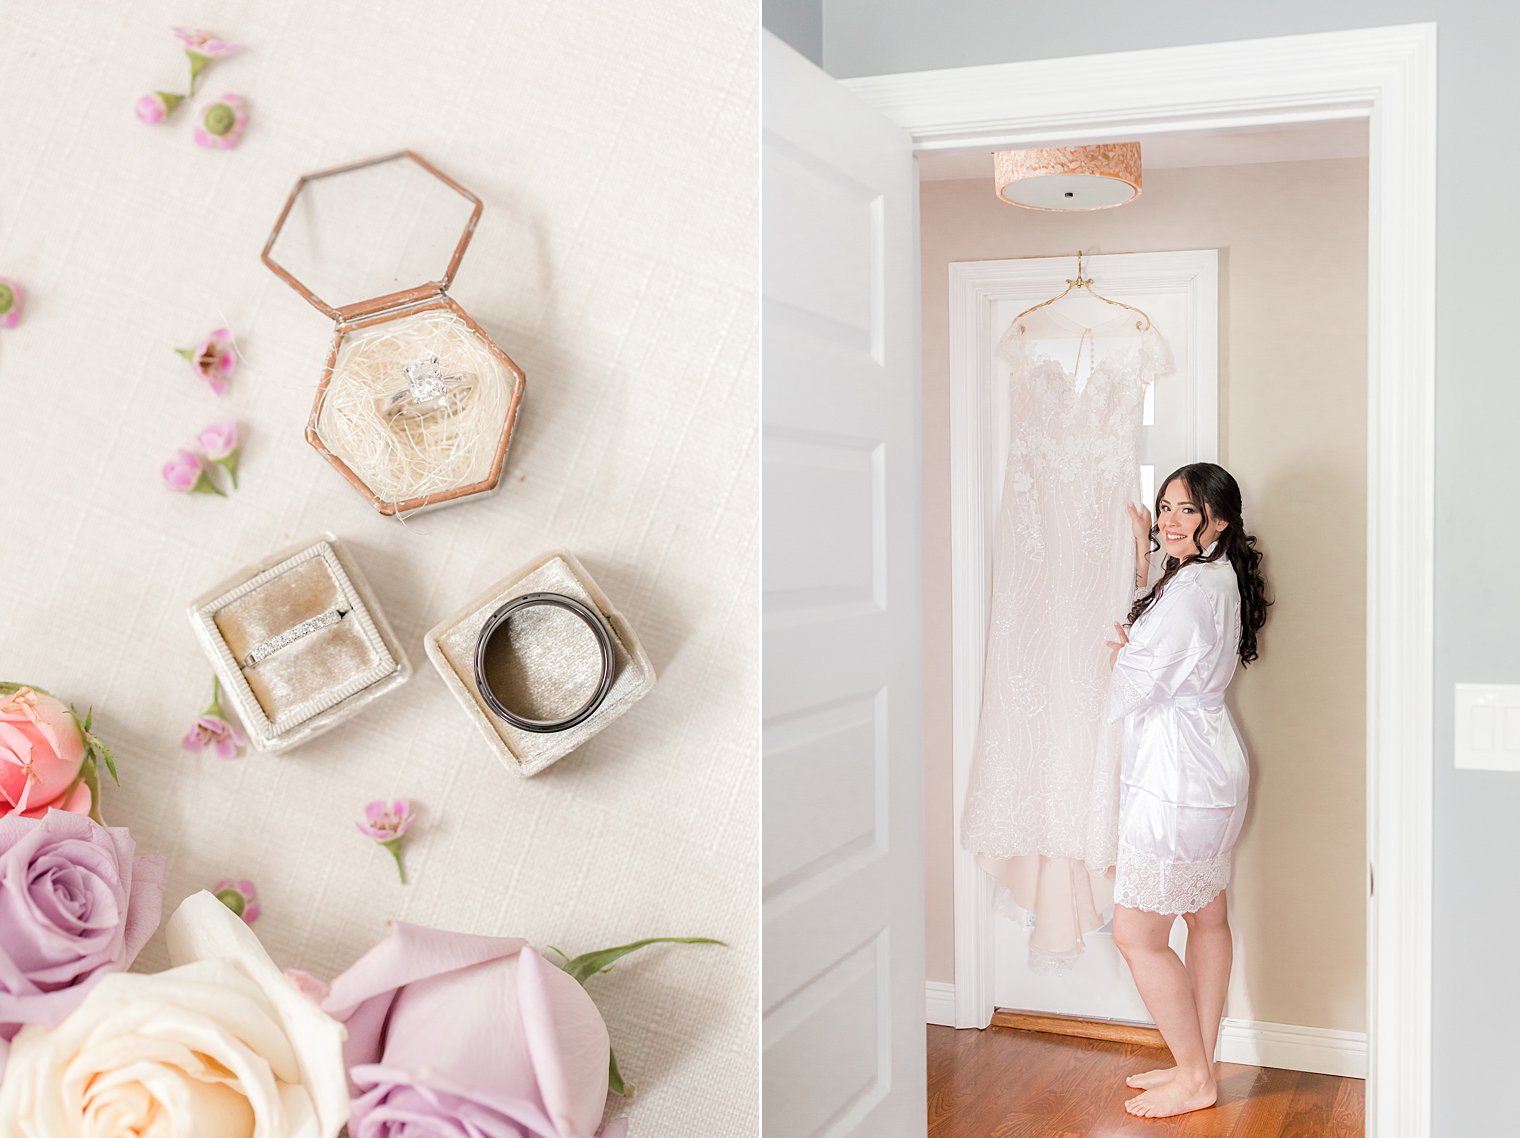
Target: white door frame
<point>1388,77</point>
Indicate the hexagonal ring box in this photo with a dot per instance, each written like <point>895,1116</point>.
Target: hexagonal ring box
<point>416,404</point>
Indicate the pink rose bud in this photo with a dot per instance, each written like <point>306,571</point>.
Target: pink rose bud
<point>222,123</point>
<point>11,297</point>
<point>185,474</point>
<point>42,750</point>
<point>156,106</point>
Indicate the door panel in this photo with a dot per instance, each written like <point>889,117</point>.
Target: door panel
<point>842,867</point>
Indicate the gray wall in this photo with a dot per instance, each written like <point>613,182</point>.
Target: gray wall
<point>798,22</point>
<point>1477,602</point>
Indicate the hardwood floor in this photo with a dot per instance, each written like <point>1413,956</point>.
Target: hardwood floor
<point>1005,1083</point>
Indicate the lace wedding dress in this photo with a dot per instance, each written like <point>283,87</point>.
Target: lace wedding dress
<point>1041,808</point>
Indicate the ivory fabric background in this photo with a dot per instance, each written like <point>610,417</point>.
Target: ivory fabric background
<point>615,147</point>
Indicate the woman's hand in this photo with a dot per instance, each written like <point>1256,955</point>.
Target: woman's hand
<point>1140,522</point>
<point>1115,645</point>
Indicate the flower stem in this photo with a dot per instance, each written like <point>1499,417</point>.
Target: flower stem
<point>394,845</point>
<point>216,698</point>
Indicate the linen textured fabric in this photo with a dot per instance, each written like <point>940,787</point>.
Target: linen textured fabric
<point>1041,808</point>
<point>1184,778</point>
<point>637,449</point>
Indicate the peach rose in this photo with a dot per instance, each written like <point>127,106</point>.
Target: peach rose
<point>41,752</point>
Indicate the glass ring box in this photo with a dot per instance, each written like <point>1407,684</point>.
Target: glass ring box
<point>298,642</point>
<point>416,405</point>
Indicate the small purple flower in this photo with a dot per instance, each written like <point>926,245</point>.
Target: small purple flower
<point>222,123</point>
<point>185,474</point>
<point>214,359</point>
<point>240,898</point>
<point>386,824</point>
<point>156,106</point>
<point>220,442</point>
<point>11,297</point>
<point>212,730</point>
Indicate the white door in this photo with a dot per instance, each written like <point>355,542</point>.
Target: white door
<point>1179,292</point>
<point>842,861</point>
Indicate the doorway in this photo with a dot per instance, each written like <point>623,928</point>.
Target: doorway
<point>1382,76</point>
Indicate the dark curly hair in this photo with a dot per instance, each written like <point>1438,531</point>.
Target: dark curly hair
<point>1213,488</point>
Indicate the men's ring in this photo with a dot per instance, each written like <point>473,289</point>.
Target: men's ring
<point>292,634</point>
<point>497,624</point>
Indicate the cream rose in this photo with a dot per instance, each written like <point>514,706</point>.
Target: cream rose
<point>221,1045</point>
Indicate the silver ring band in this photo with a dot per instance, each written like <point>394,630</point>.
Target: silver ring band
<point>295,632</point>
<point>498,621</point>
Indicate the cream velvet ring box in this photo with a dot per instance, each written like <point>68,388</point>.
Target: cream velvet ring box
<point>553,664</point>
<point>299,643</point>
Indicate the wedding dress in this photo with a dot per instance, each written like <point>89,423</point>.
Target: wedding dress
<point>1042,803</point>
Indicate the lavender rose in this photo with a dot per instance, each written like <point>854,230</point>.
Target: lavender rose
<point>452,1034</point>
<point>75,904</point>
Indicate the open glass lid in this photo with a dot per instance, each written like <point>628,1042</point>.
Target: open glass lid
<point>370,235</point>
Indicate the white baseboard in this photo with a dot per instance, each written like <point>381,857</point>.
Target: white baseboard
<point>1320,1050</point>
<point>939,1003</point>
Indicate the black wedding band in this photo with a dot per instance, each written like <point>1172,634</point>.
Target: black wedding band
<point>498,621</point>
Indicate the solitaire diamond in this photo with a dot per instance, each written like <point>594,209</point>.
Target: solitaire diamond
<point>425,379</point>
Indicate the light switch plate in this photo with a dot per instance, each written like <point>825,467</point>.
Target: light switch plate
<point>1488,727</point>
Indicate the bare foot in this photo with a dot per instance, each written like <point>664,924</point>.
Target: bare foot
<point>1145,1080</point>
<point>1174,1097</point>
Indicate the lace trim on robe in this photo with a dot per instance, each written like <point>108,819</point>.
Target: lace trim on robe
<point>1143,882</point>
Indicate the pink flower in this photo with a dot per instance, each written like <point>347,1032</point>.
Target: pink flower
<point>204,43</point>
<point>214,359</point>
<point>154,107</point>
<point>212,730</point>
<point>42,752</point>
<point>386,824</point>
<point>450,1033</point>
<point>220,442</point>
<point>240,898</point>
<point>222,123</point>
<point>185,474</point>
<point>11,297</point>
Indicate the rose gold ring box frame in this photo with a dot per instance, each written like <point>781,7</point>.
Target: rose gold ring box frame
<point>377,224</point>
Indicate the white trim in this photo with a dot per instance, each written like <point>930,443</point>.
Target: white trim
<point>939,1003</point>
<point>1388,76</point>
<point>1321,1050</point>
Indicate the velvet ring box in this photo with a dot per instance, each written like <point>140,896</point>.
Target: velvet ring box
<point>309,681</point>
<point>554,662</point>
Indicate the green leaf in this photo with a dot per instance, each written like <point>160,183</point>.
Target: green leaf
<point>89,718</point>
<point>615,1082</point>
<point>99,748</point>
<point>588,964</point>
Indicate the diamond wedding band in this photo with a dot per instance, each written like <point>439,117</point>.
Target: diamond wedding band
<point>292,634</point>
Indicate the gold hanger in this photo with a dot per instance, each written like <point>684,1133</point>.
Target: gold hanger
<point>1084,283</point>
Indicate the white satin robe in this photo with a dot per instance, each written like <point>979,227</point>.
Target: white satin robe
<point>1183,777</point>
